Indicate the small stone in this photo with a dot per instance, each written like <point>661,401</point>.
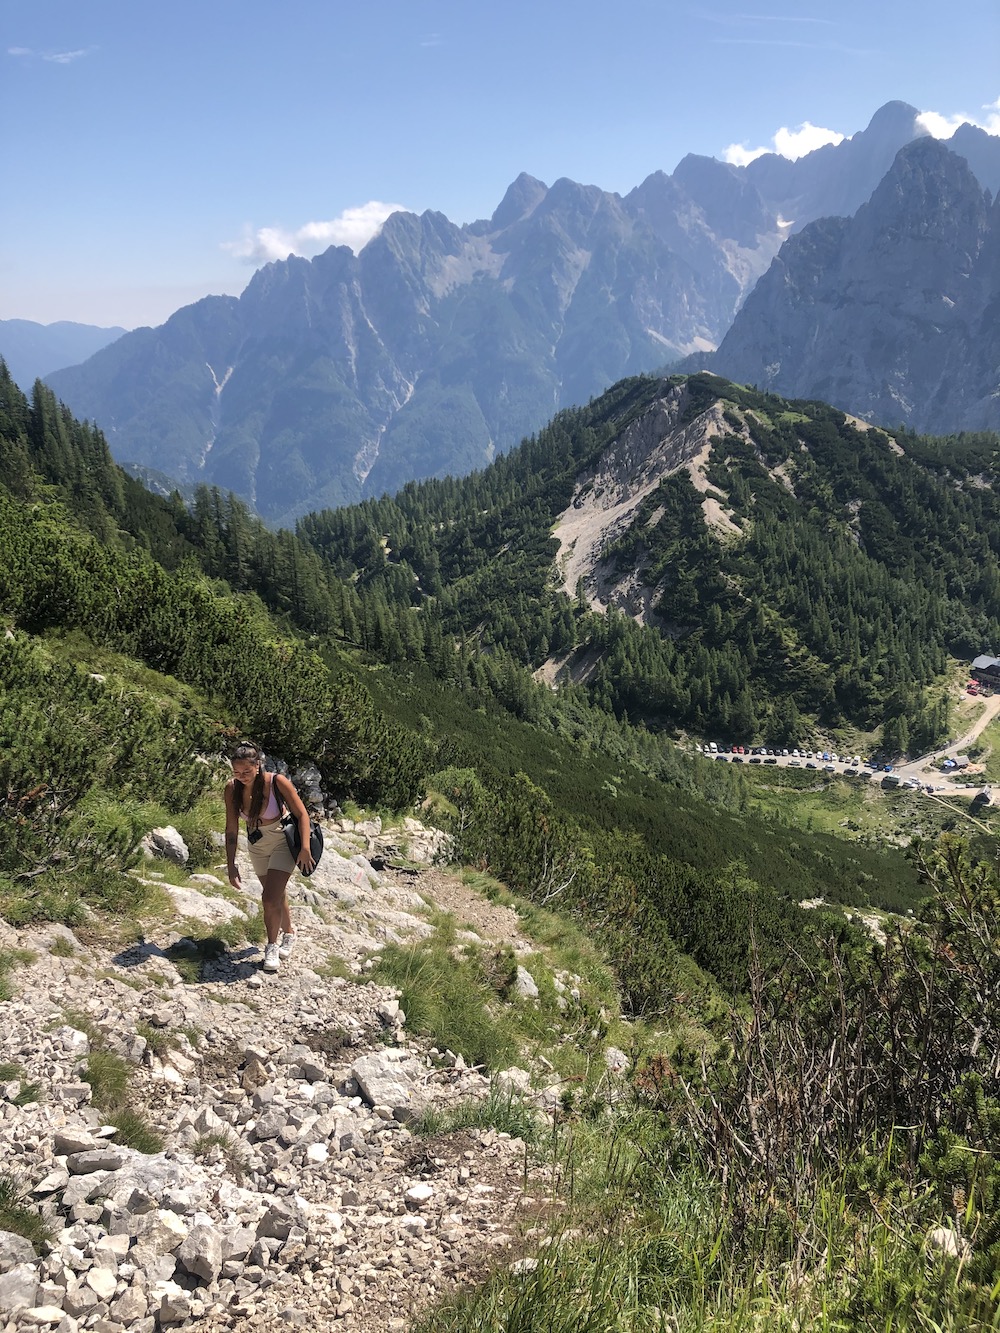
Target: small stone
<point>39,1316</point>
<point>949,1243</point>
<point>417,1195</point>
<point>103,1282</point>
<point>200,1253</point>
<point>131,1304</point>
<point>14,1250</point>
<point>66,1141</point>
<point>524,984</point>
<point>109,1158</point>
<point>19,1287</point>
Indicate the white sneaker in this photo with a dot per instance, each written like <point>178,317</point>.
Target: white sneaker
<point>287,944</point>
<point>271,957</point>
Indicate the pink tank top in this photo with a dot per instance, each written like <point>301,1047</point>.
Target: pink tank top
<point>271,808</point>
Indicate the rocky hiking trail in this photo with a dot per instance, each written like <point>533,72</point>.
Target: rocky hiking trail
<point>290,1190</point>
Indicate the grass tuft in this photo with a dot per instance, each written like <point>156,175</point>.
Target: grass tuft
<point>226,1146</point>
<point>9,960</point>
<point>445,1000</point>
<point>135,1131</point>
<point>16,1216</point>
<point>502,1111</point>
<point>108,1076</point>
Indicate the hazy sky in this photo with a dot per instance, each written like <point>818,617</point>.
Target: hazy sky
<point>157,152</point>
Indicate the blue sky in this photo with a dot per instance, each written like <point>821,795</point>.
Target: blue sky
<point>158,152</point>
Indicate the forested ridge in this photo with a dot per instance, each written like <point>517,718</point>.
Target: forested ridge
<point>861,565</point>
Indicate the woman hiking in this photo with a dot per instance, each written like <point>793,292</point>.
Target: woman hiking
<point>259,796</point>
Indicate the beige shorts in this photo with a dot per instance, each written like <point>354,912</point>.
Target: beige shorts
<point>271,852</point>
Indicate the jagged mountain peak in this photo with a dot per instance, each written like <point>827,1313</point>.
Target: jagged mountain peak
<point>928,186</point>
<point>893,119</point>
<point>885,314</point>
<point>523,197</point>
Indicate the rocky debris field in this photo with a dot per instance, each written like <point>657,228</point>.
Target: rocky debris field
<point>289,1189</point>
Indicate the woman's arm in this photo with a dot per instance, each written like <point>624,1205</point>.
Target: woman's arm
<point>300,814</point>
<point>232,834</point>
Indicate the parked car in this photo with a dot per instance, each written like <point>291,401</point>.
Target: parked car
<point>756,759</point>
<point>770,760</point>
<point>811,764</point>
<point>850,772</point>
<point>829,768</point>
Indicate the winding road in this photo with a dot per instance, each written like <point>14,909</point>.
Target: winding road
<point>926,769</point>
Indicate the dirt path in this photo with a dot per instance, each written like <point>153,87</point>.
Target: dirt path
<point>927,763</point>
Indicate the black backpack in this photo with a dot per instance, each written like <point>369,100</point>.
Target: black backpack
<point>293,837</point>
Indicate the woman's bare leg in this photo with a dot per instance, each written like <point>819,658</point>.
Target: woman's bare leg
<point>274,900</point>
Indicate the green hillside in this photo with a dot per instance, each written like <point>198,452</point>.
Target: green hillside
<point>805,1100</point>
<point>252,632</point>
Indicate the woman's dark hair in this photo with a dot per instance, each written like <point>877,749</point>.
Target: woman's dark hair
<point>247,750</point>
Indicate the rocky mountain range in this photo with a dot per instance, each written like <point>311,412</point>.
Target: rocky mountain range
<point>439,346</point>
<point>891,314</point>
<point>33,350</point>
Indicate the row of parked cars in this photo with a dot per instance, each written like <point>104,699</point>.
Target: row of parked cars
<point>762,753</point>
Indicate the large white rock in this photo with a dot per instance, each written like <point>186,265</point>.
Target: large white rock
<point>168,843</point>
<point>19,1287</point>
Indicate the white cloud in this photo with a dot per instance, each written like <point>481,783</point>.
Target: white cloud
<point>354,227</point>
<point>63,57</point>
<point>943,127</point>
<point>53,57</point>
<point>786,142</point>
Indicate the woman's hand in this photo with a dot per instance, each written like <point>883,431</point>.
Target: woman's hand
<point>305,862</point>
<point>234,878</point>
